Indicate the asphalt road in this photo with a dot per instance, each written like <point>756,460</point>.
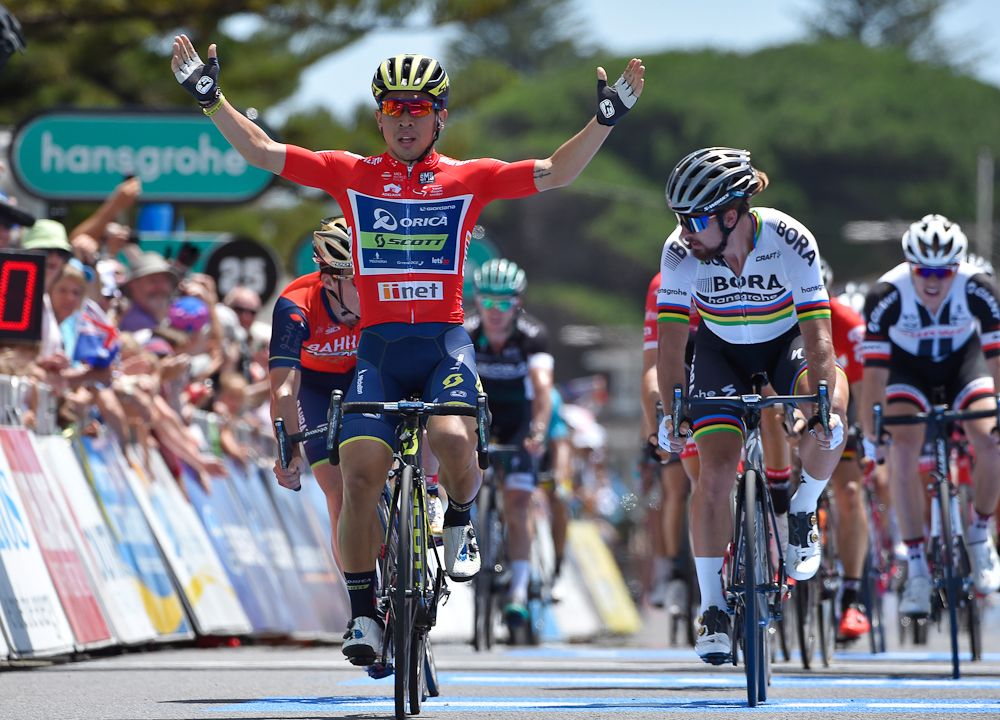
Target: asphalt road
<point>623,678</point>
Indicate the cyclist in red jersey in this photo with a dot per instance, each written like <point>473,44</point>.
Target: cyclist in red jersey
<point>314,340</point>
<point>852,531</point>
<point>411,212</point>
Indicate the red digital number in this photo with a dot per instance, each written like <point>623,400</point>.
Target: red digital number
<point>27,301</point>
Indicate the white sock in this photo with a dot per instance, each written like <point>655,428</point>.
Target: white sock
<point>709,570</point>
<point>663,568</point>
<point>520,574</point>
<point>806,498</point>
<point>916,560</point>
<point>979,528</point>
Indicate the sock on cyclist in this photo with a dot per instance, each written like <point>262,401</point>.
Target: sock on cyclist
<point>851,592</point>
<point>979,529</point>
<point>361,590</point>
<point>806,497</point>
<point>520,575</point>
<point>458,514</point>
<point>779,484</point>
<point>916,559</point>
<point>710,583</point>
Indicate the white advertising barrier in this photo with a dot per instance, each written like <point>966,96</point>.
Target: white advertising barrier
<point>313,554</point>
<point>56,541</point>
<point>4,650</point>
<point>134,538</point>
<point>30,612</point>
<point>263,520</point>
<point>116,582</point>
<point>197,570</point>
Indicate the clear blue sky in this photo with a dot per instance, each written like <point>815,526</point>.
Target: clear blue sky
<point>639,26</point>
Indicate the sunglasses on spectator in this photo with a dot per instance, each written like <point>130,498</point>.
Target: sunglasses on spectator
<point>239,309</point>
<point>941,273</point>
<point>393,107</point>
<point>503,305</point>
<point>694,223</point>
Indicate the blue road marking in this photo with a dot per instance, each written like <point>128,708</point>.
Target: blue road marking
<point>606,705</point>
<point>641,654</point>
<point>694,679</point>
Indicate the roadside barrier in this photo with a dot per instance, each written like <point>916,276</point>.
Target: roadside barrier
<point>101,545</point>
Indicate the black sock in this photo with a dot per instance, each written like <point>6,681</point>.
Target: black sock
<point>361,589</point>
<point>851,592</point>
<point>458,514</point>
<point>780,486</point>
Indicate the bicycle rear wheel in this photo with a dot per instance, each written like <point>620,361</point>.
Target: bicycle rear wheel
<point>402,607</point>
<point>806,611</point>
<point>485,580</point>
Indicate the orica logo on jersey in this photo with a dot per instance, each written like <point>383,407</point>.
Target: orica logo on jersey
<point>410,290</point>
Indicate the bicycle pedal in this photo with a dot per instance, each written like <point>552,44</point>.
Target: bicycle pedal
<point>377,671</point>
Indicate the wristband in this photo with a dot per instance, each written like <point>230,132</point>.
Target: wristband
<point>214,108</point>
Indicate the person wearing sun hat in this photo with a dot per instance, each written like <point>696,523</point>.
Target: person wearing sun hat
<point>150,287</point>
<point>50,236</point>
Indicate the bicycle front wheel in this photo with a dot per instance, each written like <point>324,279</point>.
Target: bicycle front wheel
<point>403,600</point>
<point>751,608</point>
<point>952,581</point>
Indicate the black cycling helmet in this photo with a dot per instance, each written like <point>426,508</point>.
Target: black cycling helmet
<point>417,73</point>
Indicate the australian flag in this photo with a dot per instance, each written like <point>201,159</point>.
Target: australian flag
<point>97,341</point>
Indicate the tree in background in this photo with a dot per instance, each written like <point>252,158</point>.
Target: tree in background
<point>906,24</point>
<point>522,39</point>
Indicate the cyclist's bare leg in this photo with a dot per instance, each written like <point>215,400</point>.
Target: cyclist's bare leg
<point>453,441</point>
<point>332,485</point>
<point>986,473</point>
<point>852,531</point>
<point>675,493</point>
<point>711,517</point>
<point>516,507</point>
<point>364,464</point>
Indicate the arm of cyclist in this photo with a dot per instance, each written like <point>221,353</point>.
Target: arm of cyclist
<point>672,337</point>
<point>882,311</point>
<point>284,404</point>
<point>540,375</point>
<point>201,80</point>
<point>818,344</point>
<point>613,101</point>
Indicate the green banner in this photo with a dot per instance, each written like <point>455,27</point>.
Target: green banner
<point>84,154</point>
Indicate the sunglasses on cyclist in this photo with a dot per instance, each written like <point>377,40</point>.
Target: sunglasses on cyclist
<point>394,107</point>
<point>503,305</point>
<point>694,223</point>
<point>941,273</point>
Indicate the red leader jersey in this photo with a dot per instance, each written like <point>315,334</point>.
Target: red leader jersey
<point>650,335</point>
<point>410,225</point>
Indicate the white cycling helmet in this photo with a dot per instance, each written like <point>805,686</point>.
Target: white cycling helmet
<point>934,241</point>
<point>710,178</point>
<point>332,247</point>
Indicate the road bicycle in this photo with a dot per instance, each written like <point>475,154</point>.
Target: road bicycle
<point>411,578</point>
<point>754,582</point>
<point>947,554</point>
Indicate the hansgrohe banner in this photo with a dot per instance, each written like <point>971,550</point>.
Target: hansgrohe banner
<point>84,154</point>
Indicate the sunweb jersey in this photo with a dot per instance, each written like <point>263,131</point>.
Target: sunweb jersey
<point>410,224</point>
<point>896,317</point>
<point>780,284</point>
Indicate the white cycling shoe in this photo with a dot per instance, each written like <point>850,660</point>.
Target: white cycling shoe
<point>461,553</point>
<point>362,641</point>
<point>985,566</point>
<point>803,552</point>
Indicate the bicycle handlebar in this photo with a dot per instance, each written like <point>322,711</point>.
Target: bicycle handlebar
<point>755,401</point>
<point>938,414</point>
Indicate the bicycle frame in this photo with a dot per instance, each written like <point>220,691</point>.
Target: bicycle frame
<point>747,568</point>
<point>947,551</point>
